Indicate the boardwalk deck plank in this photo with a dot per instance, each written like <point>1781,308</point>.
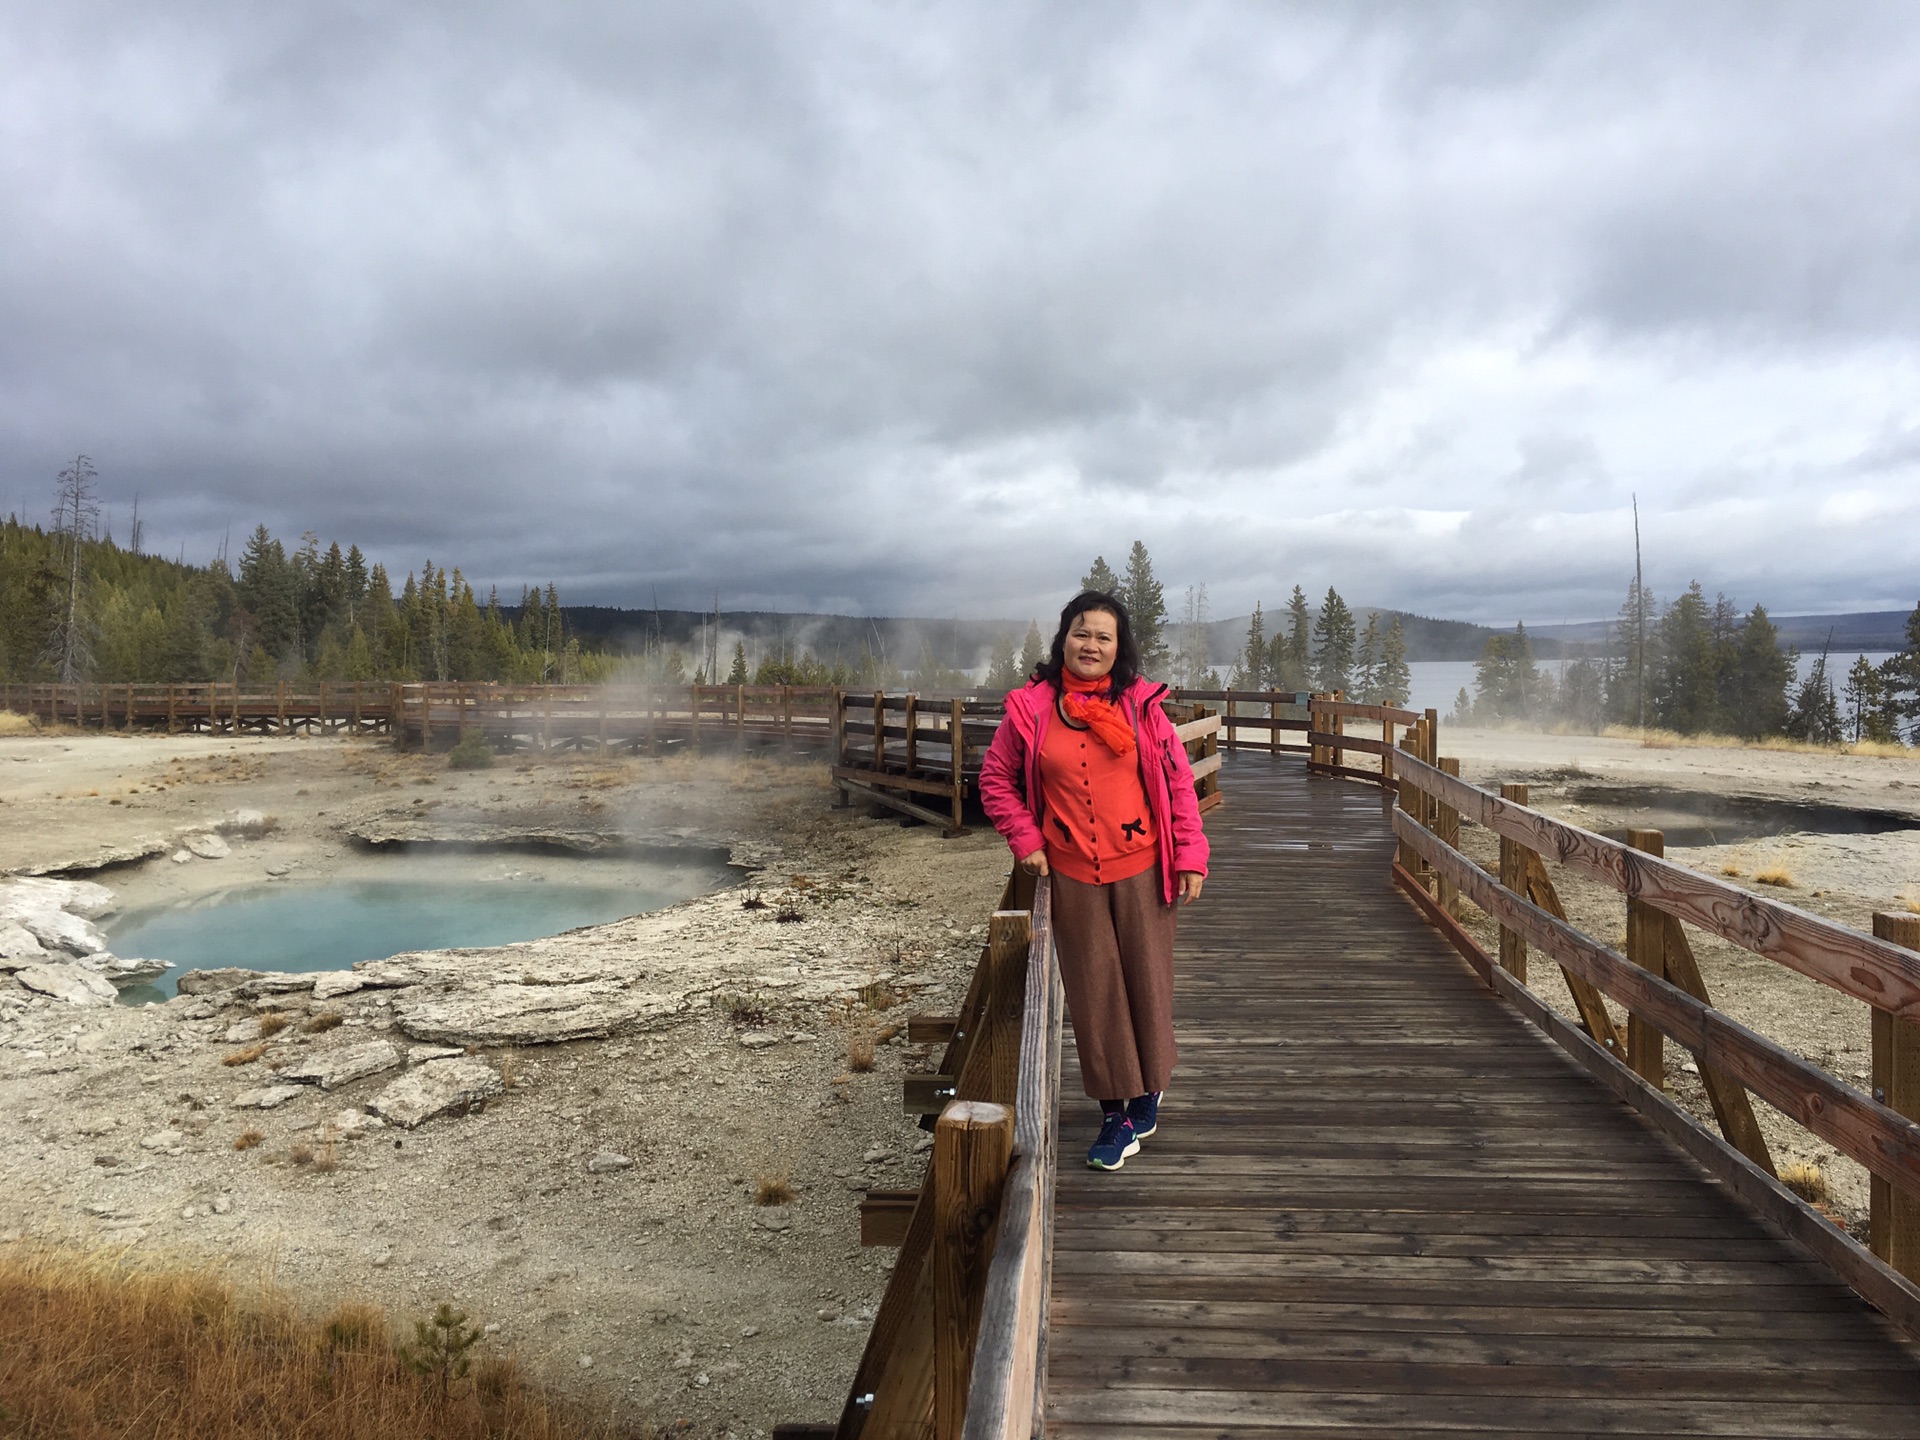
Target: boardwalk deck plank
<point>1381,1204</point>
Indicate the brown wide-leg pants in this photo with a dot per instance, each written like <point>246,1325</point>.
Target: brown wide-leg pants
<point>1116,961</point>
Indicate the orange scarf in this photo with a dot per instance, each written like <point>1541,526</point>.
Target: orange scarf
<point>1087,704</point>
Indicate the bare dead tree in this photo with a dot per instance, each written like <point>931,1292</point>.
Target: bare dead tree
<point>74,517</point>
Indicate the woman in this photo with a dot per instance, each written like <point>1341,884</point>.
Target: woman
<point>1087,782</point>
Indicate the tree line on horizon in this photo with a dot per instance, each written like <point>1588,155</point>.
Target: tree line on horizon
<point>1698,667</point>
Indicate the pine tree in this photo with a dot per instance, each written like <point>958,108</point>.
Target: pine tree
<point>1462,712</point>
<point>1396,678</point>
<point>1683,693</point>
<point>1815,713</point>
<point>1034,652</point>
<point>1333,644</point>
<point>1755,676</point>
<point>1102,579</point>
<point>1251,671</point>
<point>1630,697</point>
<point>1147,608</point>
<point>1190,667</point>
<point>1366,665</point>
<point>1867,717</point>
<point>1003,670</point>
<point>1900,679</point>
<point>737,673</point>
<point>1290,667</point>
<point>70,646</point>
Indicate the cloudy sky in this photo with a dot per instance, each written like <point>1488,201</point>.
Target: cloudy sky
<point>898,307</point>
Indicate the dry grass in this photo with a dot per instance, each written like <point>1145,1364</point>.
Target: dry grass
<point>324,1021</point>
<point>94,1347</point>
<point>247,1139</point>
<point>272,1023</point>
<point>1808,1181</point>
<point>860,1044</point>
<point>300,1152</point>
<point>775,1189</point>
<point>1732,872</point>
<point>1651,739</point>
<point>246,1056</point>
<point>12,722</point>
<point>326,1159</point>
<point>1910,901</point>
<point>1777,875</point>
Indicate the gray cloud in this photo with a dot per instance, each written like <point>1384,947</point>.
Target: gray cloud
<point>909,307</point>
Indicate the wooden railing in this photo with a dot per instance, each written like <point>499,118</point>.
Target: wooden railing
<point>906,752</point>
<point>614,717</point>
<point>274,707</point>
<point>1659,984</point>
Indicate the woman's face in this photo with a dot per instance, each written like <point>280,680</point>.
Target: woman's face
<point>1093,643</point>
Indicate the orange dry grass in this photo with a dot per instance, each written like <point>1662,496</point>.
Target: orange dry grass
<point>98,1350</point>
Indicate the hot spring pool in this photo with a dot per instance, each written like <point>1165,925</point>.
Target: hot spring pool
<point>287,926</point>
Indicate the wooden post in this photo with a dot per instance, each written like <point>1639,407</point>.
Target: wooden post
<point>786,715</point>
<point>1008,933</point>
<point>173,707</point>
<point>972,1148</point>
<point>1513,875</point>
<point>1226,725</point>
<point>280,710</point>
<point>1647,948</point>
<point>1446,825</point>
<point>879,728</point>
<point>957,753</point>
<point>837,743</point>
<point>913,734</point>
<point>1386,761</point>
<point>426,718</point>
<point>1336,756</point>
<point>1273,730</point>
<point>356,707</point>
<point>1894,1214</point>
<point>740,715</point>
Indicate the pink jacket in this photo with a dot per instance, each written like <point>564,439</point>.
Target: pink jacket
<point>1010,778</point>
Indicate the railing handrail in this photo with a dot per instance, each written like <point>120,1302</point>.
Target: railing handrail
<point>1876,971</point>
<point>1008,1384</point>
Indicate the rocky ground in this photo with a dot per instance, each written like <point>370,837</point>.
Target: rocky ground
<point>571,1138</point>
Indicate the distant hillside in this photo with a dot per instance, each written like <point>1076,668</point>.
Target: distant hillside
<point>1853,632</point>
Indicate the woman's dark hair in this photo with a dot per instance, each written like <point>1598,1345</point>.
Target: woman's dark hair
<point>1126,660</point>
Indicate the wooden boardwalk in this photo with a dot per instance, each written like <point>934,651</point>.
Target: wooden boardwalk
<point>1381,1204</point>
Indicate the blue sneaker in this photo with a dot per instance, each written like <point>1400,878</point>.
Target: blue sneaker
<point>1144,1112</point>
<point>1116,1142</point>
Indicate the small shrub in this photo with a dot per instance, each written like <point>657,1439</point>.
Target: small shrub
<point>772,1189</point>
<point>878,995</point>
<point>272,1023</point>
<point>1806,1180</point>
<point>1777,875</point>
<point>247,1056</point>
<point>1732,872</point>
<point>788,914</point>
<point>472,753</point>
<point>753,901</point>
<point>247,1139</point>
<point>439,1347</point>
<point>749,1012</point>
<point>1910,900</point>
<point>860,1044</point>
<point>326,1159</point>
<point>356,1326</point>
<point>324,1021</point>
<point>300,1153</point>
<point>510,1076</point>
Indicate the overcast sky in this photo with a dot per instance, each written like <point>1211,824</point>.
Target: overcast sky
<point>907,308</point>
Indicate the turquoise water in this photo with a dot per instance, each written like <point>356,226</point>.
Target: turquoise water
<point>291,927</point>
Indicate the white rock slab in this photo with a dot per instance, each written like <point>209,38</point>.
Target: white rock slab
<point>330,1069</point>
<point>71,983</point>
<point>125,969</point>
<point>269,1097</point>
<point>531,1014</point>
<point>328,984</point>
<point>78,897</point>
<point>208,847</point>
<point>434,1089</point>
<point>18,945</point>
<point>57,930</point>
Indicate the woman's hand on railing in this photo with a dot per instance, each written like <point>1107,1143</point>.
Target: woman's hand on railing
<point>1034,864</point>
<point>1190,883</point>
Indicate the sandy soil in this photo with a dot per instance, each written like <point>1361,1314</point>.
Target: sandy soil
<point>662,1288</point>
